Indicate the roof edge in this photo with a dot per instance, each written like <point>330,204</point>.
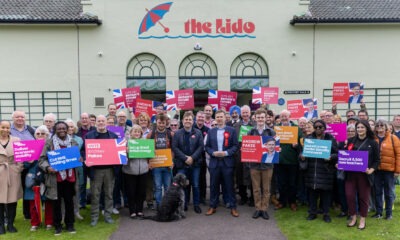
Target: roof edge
<point>343,21</point>
<point>54,21</point>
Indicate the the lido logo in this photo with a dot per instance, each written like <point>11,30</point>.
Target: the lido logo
<point>194,28</point>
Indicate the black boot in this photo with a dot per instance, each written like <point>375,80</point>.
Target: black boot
<point>11,213</point>
<point>2,229</point>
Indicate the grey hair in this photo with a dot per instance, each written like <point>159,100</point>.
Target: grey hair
<point>285,111</point>
<point>42,128</point>
<point>50,115</point>
<point>245,107</point>
<point>69,120</point>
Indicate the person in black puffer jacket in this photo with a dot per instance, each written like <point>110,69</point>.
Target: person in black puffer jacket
<point>320,174</point>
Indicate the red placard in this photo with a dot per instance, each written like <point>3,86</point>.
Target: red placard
<point>105,152</point>
<point>296,109</point>
<point>265,95</point>
<point>340,93</point>
<point>126,97</point>
<point>182,99</point>
<point>221,99</point>
<point>251,149</point>
<point>144,105</point>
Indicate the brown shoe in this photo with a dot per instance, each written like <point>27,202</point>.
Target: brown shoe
<point>234,212</point>
<point>293,206</point>
<point>279,206</point>
<point>274,201</point>
<point>211,211</point>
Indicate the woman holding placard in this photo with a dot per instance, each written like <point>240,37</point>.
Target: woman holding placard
<point>135,176</point>
<point>31,181</point>
<point>389,169</point>
<point>320,173</point>
<point>361,182</point>
<point>10,178</point>
<point>59,184</point>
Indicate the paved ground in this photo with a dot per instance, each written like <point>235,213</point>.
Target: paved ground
<point>198,226</point>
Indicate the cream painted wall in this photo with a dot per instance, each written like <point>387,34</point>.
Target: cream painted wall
<point>118,39</point>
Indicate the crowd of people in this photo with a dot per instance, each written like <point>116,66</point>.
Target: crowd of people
<point>200,143</point>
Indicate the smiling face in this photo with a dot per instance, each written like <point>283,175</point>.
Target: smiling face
<point>361,130</point>
<point>4,129</point>
<point>260,119</point>
<point>188,122</point>
<point>19,118</point>
<point>319,129</point>
<point>270,145</point>
<point>208,111</point>
<point>356,90</point>
<point>61,131</point>
<point>71,128</point>
<point>220,118</point>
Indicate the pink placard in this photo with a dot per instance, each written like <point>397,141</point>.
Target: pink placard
<point>146,106</point>
<point>265,95</point>
<point>105,152</point>
<point>221,99</point>
<point>295,107</point>
<point>28,150</point>
<point>126,97</point>
<point>338,130</point>
<point>182,99</point>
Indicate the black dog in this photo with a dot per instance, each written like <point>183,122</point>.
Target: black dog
<point>172,204</point>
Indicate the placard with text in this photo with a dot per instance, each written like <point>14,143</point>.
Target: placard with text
<point>163,158</point>
<point>105,152</point>
<point>141,148</point>
<point>64,158</point>
<point>287,134</point>
<point>356,161</point>
<point>265,95</point>
<point>28,150</point>
<point>126,97</point>
<point>221,99</point>
<point>180,99</point>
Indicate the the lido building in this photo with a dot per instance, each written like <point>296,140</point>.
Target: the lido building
<point>66,56</point>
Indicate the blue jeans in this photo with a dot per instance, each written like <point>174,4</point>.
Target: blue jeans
<point>162,177</point>
<point>193,174</point>
<point>383,183</point>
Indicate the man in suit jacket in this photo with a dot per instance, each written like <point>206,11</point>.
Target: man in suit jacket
<point>222,143</point>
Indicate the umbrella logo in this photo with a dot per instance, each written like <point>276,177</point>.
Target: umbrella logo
<point>154,16</point>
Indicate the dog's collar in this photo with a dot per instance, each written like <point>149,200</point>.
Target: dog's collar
<point>175,184</point>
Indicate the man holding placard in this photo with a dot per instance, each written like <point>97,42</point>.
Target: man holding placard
<point>188,146</point>
<point>242,173</point>
<point>261,173</point>
<point>103,176</point>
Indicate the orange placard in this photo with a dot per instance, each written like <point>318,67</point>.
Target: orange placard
<point>163,158</point>
<point>287,134</point>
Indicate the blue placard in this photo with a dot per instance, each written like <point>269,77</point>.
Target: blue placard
<point>64,158</point>
<point>316,148</point>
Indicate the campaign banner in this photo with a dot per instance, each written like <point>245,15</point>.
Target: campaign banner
<point>315,148</point>
<point>343,92</point>
<point>356,161</point>
<point>251,150</point>
<point>163,158</point>
<point>28,150</point>
<point>141,148</point>
<point>243,131</point>
<point>105,152</point>
<point>221,99</point>
<point>266,95</point>
<point>287,134</point>
<point>338,131</point>
<point>126,97</point>
<point>64,158</point>
<point>146,106</point>
<point>295,107</point>
<point>117,130</point>
<point>260,149</point>
<point>271,149</point>
<point>180,99</point>
<point>310,106</point>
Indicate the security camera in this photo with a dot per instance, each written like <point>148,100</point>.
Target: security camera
<point>100,53</point>
<point>197,46</point>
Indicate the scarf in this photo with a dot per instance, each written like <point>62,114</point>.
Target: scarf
<point>57,143</point>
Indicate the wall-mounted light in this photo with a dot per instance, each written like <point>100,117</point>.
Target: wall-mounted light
<point>294,53</point>
<point>198,47</point>
<point>100,54</point>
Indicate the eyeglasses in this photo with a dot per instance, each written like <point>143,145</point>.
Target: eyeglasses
<point>213,125</point>
<point>40,133</point>
<point>379,125</point>
<point>121,116</point>
<point>173,125</point>
<point>318,127</point>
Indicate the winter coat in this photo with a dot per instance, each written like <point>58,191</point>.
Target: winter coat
<point>196,144</point>
<point>50,179</point>
<point>136,166</point>
<point>390,153</point>
<point>10,174</point>
<point>31,170</point>
<point>320,173</point>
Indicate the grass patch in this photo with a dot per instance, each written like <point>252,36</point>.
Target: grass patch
<point>83,228</point>
<point>295,226</point>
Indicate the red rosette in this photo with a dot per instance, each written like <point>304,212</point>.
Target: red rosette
<point>226,137</point>
<point>351,146</point>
